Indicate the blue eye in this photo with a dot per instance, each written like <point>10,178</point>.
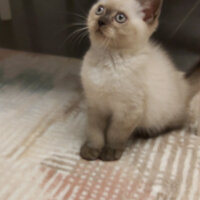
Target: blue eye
<point>121,18</point>
<point>100,10</point>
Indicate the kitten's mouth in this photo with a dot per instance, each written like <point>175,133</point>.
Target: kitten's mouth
<point>100,32</point>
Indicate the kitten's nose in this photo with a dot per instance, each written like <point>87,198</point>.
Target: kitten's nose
<point>101,22</point>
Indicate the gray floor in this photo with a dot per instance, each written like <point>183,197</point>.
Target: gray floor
<point>43,26</point>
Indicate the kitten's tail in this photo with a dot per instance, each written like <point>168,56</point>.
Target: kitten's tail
<point>193,76</point>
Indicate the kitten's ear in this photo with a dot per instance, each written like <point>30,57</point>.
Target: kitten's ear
<point>151,9</point>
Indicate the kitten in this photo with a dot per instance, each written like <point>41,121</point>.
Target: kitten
<point>129,81</point>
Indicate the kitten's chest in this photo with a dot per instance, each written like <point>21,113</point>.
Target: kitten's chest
<point>108,75</point>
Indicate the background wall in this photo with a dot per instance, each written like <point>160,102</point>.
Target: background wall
<point>42,26</point>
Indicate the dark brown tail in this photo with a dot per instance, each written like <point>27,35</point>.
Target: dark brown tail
<point>193,76</point>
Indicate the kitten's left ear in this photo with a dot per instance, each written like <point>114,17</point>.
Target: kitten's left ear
<point>151,9</point>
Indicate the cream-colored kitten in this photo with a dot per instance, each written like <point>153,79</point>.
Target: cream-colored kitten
<point>129,81</point>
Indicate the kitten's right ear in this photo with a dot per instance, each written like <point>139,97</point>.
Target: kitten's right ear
<point>151,9</point>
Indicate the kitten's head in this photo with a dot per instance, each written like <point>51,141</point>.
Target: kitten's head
<point>123,23</point>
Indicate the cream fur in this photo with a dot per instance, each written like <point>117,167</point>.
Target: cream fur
<point>130,80</point>
<point>113,80</point>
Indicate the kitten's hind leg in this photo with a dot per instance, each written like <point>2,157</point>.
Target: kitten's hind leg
<point>95,135</point>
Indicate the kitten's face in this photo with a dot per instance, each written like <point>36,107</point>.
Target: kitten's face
<point>118,24</point>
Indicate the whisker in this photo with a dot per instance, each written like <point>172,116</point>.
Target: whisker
<point>82,36</point>
<point>74,34</point>
<point>77,15</point>
<point>105,44</point>
<point>108,41</point>
<point>77,36</point>
<point>70,26</point>
<point>77,31</point>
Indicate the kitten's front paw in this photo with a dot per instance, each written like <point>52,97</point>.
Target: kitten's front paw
<point>110,154</point>
<point>89,153</point>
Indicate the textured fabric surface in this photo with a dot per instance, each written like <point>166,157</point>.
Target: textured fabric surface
<point>42,123</point>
